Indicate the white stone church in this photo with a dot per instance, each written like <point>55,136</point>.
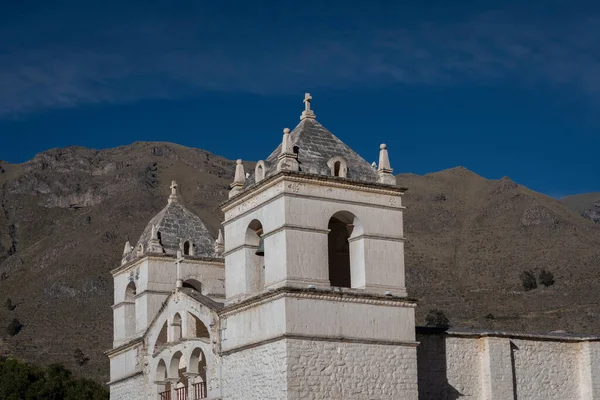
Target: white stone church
<point>302,296</point>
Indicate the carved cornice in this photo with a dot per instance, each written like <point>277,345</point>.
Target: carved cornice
<point>213,261</point>
<point>340,295</point>
<point>125,378</point>
<point>378,237</point>
<point>319,180</point>
<point>124,347</point>
<point>336,339</point>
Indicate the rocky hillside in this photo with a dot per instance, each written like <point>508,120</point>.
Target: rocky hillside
<point>67,213</point>
<point>588,204</point>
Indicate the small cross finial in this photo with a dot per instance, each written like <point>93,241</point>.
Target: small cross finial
<point>173,196</point>
<point>307,113</point>
<point>307,99</point>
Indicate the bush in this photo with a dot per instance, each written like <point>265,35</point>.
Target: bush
<point>80,358</point>
<point>437,318</point>
<point>528,280</point>
<point>19,380</point>
<point>14,327</point>
<point>9,305</point>
<point>546,277</point>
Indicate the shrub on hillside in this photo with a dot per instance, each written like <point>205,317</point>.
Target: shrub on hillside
<point>437,318</point>
<point>19,380</point>
<point>80,358</point>
<point>528,280</point>
<point>546,277</point>
<point>14,327</point>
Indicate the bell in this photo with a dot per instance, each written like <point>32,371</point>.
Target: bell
<point>261,248</point>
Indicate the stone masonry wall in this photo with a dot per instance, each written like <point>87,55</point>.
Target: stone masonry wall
<point>130,389</point>
<point>449,368</point>
<point>350,371</point>
<point>256,373</point>
<point>546,370</point>
<point>456,365</point>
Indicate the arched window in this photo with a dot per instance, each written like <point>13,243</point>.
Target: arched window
<point>160,379</point>
<point>338,167</point>
<point>197,368</point>
<point>259,171</point>
<point>177,367</point>
<point>186,248</point>
<point>341,226</point>
<point>130,317</point>
<point>176,327</point>
<point>255,265</point>
<point>162,338</point>
<point>193,284</point>
<point>130,292</point>
<point>196,327</point>
<point>161,371</point>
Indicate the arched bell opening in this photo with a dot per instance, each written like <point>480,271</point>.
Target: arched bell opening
<point>255,252</point>
<point>130,309</point>
<point>344,257</point>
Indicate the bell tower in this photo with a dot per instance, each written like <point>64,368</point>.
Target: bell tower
<point>316,303</point>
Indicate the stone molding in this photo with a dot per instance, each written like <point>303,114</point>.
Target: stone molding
<point>377,237</point>
<point>125,378</point>
<point>319,339</point>
<point>295,228</point>
<point>238,248</point>
<point>124,347</point>
<point>345,296</point>
<point>214,261</point>
<point>312,179</point>
<point>479,334</point>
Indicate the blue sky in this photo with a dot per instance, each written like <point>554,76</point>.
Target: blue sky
<point>502,88</point>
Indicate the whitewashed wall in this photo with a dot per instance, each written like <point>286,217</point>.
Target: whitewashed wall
<point>499,365</point>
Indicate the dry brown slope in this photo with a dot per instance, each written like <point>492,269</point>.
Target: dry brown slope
<point>469,238</point>
<point>73,210</point>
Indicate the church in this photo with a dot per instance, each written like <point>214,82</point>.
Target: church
<point>302,295</point>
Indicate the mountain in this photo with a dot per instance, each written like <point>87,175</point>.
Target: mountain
<point>67,213</point>
<point>588,204</point>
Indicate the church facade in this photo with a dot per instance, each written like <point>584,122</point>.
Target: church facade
<point>302,295</point>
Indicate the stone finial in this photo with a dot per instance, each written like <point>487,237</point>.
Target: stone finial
<point>126,251</point>
<point>239,180</point>
<point>127,248</point>
<point>154,245</point>
<point>219,244</point>
<point>374,165</point>
<point>385,170</point>
<point>307,113</point>
<point>286,142</point>
<point>173,197</point>
<point>287,159</point>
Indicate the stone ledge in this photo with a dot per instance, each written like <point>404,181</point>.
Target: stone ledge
<point>312,178</point>
<point>480,333</point>
<point>336,339</point>
<point>337,294</point>
<point>125,378</point>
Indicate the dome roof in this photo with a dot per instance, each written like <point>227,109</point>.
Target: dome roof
<point>174,228</point>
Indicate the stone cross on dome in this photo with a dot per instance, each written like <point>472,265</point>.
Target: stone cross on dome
<point>173,197</point>
<point>307,113</point>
